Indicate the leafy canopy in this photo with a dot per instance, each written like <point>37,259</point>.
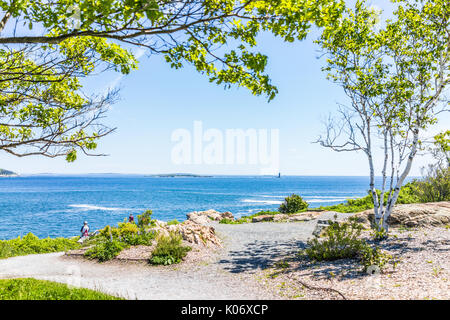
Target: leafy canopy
<point>46,48</point>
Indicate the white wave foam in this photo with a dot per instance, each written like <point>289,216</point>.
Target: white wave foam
<point>273,196</point>
<point>87,207</point>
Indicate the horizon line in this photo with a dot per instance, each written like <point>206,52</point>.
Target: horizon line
<point>194,174</point>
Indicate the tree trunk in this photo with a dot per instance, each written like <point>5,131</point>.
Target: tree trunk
<point>402,178</point>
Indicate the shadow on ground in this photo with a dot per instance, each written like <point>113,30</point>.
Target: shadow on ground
<point>260,255</point>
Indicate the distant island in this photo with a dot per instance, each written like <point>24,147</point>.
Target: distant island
<point>7,173</point>
<point>179,175</point>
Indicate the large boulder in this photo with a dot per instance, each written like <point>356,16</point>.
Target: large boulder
<point>413,215</point>
<point>304,216</point>
<point>197,218</point>
<point>196,233</point>
<point>203,217</point>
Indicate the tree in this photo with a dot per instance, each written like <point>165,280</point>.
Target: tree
<point>47,47</point>
<point>395,76</point>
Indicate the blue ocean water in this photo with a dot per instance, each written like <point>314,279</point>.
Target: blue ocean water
<point>49,205</point>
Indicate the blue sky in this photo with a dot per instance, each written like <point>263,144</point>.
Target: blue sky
<point>156,100</point>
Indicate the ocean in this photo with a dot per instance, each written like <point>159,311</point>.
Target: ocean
<point>57,205</point>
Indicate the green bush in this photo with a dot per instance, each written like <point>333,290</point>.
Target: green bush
<point>145,219</point>
<point>110,232</point>
<point>32,289</point>
<point>341,240</point>
<point>30,244</point>
<point>105,250</point>
<point>142,238</point>
<point>128,228</point>
<point>292,204</point>
<point>373,257</point>
<point>173,222</point>
<point>434,187</point>
<point>128,233</point>
<point>169,250</point>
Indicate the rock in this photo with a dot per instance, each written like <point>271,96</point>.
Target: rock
<point>197,233</point>
<point>304,216</point>
<point>196,218</point>
<point>203,217</point>
<point>320,226</point>
<point>280,217</point>
<point>413,215</point>
<point>266,217</point>
<point>160,223</point>
<point>191,231</point>
<point>227,215</point>
<point>161,230</point>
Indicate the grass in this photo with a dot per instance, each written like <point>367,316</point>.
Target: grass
<point>30,244</point>
<point>32,289</point>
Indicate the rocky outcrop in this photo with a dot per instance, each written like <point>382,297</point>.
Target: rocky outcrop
<point>261,218</point>
<point>191,231</point>
<point>196,228</point>
<point>303,216</point>
<point>320,226</point>
<point>203,217</point>
<point>196,233</point>
<point>413,215</point>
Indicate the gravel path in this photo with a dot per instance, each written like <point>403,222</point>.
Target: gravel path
<point>228,275</point>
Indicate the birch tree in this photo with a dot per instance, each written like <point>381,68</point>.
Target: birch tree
<point>394,74</point>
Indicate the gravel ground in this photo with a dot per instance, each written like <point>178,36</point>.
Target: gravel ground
<point>245,269</point>
<point>422,272</point>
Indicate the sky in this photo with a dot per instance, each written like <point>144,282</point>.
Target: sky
<point>156,100</point>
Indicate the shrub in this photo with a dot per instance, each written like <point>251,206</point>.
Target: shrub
<point>435,187</point>
<point>380,234</point>
<point>30,244</point>
<point>341,240</point>
<point>127,229</point>
<point>105,250</point>
<point>373,257</point>
<point>169,250</point>
<point>108,232</point>
<point>292,204</point>
<point>145,219</point>
<point>142,238</point>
